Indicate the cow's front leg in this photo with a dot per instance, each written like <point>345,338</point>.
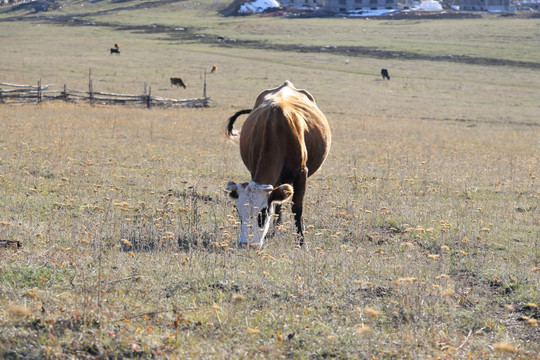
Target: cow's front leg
<point>276,220</point>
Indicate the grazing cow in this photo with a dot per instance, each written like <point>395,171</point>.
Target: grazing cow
<point>115,51</point>
<point>384,74</point>
<point>214,69</point>
<point>175,81</point>
<point>284,140</point>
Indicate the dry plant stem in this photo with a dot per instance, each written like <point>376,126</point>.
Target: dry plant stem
<point>100,257</point>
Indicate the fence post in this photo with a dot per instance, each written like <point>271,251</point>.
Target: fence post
<point>90,87</point>
<point>149,97</point>
<point>39,92</point>
<point>65,94</point>
<point>205,102</point>
<point>1,97</point>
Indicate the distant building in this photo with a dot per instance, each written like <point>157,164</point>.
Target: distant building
<point>527,5</point>
<point>337,6</point>
<point>302,4</point>
<point>488,5</point>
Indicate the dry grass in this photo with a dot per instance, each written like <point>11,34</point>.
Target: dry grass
<point>422,226</point>
<point>101,201</point>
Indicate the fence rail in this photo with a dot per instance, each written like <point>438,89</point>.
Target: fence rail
<point>17,94</point>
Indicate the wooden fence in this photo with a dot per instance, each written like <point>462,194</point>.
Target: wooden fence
<point>15,93</point>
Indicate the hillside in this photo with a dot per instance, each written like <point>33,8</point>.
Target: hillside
<point>101,14</point>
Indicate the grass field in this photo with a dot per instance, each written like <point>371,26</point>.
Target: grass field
<point>423,225</point>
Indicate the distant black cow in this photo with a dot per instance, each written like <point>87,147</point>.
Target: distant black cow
<point>175,81</point>
<point>115,51</point>
<point>385,74</point>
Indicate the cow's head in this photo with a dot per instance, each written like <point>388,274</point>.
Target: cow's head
<point>255,205</point>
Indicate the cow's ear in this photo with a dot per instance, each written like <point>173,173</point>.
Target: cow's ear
<point>232,188</point>
<point>266,188</point>
<point>281,194</point>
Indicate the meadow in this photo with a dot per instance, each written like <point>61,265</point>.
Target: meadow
<point>422,227</point>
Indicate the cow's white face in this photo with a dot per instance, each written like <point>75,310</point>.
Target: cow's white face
<point>255,205</point>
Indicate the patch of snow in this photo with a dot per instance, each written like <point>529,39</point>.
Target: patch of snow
<point>258,6</point>
<point>430,6</point>
<point>365,13</point>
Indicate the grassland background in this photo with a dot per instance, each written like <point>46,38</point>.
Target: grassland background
<point>423,225</point>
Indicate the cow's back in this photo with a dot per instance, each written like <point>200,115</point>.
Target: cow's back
<point>284,132</point>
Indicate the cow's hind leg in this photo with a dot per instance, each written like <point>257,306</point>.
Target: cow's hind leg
<point>299,187</point>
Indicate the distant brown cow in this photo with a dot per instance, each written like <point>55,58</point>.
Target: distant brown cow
<point>176,81</point>
<point>214,69</point>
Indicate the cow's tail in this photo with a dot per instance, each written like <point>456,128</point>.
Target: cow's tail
<point>231,133</point>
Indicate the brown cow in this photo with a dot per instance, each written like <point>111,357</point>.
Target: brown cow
<point>214,69</point>
<point>284,140</point>
<point>176,81</point>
